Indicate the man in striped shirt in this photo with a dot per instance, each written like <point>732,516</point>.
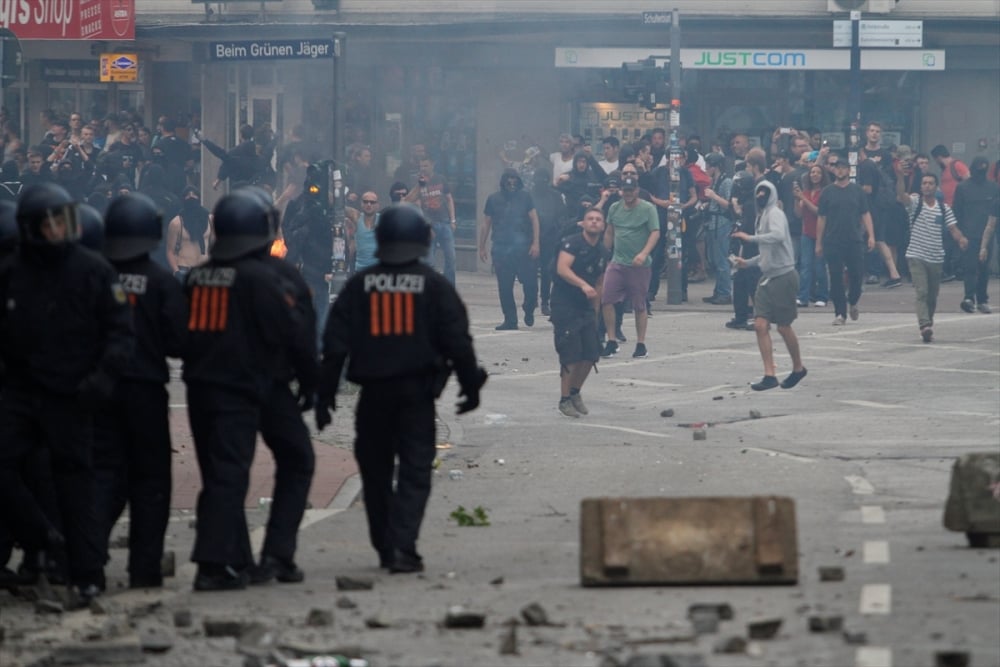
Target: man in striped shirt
<point>925,254</point>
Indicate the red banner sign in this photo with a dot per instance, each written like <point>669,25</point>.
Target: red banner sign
<point>69,19</point>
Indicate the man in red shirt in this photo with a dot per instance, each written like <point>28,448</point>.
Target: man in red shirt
<point>953,172</point>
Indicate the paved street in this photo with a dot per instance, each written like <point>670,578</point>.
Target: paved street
<point>864,446</point>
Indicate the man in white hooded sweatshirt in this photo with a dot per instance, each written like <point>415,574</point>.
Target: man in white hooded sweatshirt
<point>774,300</point>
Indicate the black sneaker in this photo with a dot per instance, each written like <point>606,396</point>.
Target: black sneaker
<point>610,349</point>
<point>405,563</point>
<point>736,324</point>
<point>767,382</point>
<point>220,578</point>
<point>506,326</point>
<point>967,305</point>
<point>892,282</point>
<point>793,378</point>
<point>984,309</point>
<point>640,351</point>
<point>546,311</point>
<point>927,333</point>
<point>620,335</point>
<point>948,278</point>
<point>529,318</point>
<point>276,568</point>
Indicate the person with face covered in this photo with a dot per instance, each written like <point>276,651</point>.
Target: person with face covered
<point>188,234</point>
<point>975,207</point>
<point>585,178</point>
<point>774,300</point>
<point>510,216</point>
<point>550,206</point>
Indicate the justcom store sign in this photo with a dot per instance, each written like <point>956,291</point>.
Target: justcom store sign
<point>764,59</point>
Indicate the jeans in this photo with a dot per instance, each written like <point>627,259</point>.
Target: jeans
<point>976,274</point>
<point>848,256</point>
<point>812,268</point>
<point>927,282</point>
<point>719,253</point>
<point>444,238</point>
<point>511,263</point>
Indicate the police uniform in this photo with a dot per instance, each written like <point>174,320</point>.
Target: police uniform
<point>65,337</point>
<point>132,455</point>
<point>240,312</point>
<point>398,322</point>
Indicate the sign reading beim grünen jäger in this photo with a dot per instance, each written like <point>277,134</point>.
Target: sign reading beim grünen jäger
<point>273,49</point>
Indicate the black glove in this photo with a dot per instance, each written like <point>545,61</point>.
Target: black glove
<point>471,393</point>
<point>96,389</point>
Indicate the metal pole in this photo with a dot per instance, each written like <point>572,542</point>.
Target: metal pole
<point>674,249</point>
<point>337,136</point>
<point>855,98</point>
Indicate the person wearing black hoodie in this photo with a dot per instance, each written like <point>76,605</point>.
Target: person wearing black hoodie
<point>511,217</point>
<point>550,206</point>
<point>585,178</point>
<point>975,204</point>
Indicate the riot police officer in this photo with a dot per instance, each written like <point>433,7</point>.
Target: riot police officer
<point>283,430</point>
<point>241,311</point>
<point>91,227</point>
<point>65,338</point>
<point>401,324</point>
<point>132,436</point>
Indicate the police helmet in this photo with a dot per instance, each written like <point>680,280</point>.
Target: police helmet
<point>243,223</point>
<point>91,227</point>
<point>8,226</point>
<point>133,226</point>
<point>402,234</point>
<point>46,214</point>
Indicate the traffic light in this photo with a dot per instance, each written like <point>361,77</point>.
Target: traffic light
<point>647,83</point>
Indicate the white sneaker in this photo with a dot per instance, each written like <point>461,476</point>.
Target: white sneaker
<point>820,304</point>
<point>838,321</point>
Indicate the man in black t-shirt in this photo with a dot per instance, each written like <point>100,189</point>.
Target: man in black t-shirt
<point>576,293</point>
<point>843,211</point>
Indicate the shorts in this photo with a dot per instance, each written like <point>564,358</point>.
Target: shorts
<point>775,297</point>
<point>575,335</point>
<point>626,282</point>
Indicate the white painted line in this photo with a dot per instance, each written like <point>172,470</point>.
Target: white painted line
<point>873,404</point>
<point>876,599</point>
<point>622,429</point>
<point>717,387</point>
<point>872,514</point>
<point>873,656</point>
<point>625,382</point>
<point>876,552</point>
<point>859,485</point>
<point>784,455</point>
<point>883,364</point>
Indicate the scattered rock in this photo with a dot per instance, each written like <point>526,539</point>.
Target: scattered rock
<point>354,584</point>
<point>524,358</point>
<point>120,651</point>
<point>182,618</point>
<point>723,609</point>
<point>700,434</point>
<point>826,623</point>
<point>319,618</point>
<point>256,640</point>
<point>378,622</point>
<point>717,398</point>
<point>665,660</point>
<point>755,414</point>
<point>344,602</point>
<point>952,659</point>
<point>223,627</point>
<point>534,614</point>
<point>831,573</point>
<point>49,607</point>
<point>497,582</point>
<point>154,639</point>
<point>168,564</point>
<point>766,629</point>
<point>730,645</point>
<point>460,618</point>
<point>508,641</point>
<point>855,637</point>
<point>704,621</point>
<point>669,412</point>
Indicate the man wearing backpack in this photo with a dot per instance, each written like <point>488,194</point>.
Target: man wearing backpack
<point>925,253</point>
<point>953,172</point>
<point>975,204</point>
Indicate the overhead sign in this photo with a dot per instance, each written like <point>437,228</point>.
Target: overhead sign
<point>69,19</point>
<point>657,18</point>
<point>119,67</point>
<point>273,49</point>
<point>760,59</point>
<point>881,34</point>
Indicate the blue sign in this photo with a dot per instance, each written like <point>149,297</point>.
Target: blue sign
<point>273,49</point>
<point>123,63</point>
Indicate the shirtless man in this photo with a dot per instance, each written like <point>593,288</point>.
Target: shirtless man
<point>188,234</point>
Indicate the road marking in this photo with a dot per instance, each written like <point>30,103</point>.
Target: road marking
<point>872,514</point>
<point>873,404</point>
<point>625,382</point>
<point>876,599</point>
<point>873,656</point>
<point>622,429</point>
<point>717,388</point>
<point>882,364</point>
<point>784,455</point>
<point>859,485</point>
<point>876,552</point>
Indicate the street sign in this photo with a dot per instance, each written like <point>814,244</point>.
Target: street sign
<point>119,67</point>
<point>657,18</point>
<point>881,34</point>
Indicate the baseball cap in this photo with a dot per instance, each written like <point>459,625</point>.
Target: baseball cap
<point>715,160</point>
<point>629,184</point>
<point>612,182</point>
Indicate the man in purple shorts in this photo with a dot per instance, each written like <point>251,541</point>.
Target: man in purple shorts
<point>632,232</point>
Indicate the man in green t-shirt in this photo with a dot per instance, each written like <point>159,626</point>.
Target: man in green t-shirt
<point>632,232</point>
